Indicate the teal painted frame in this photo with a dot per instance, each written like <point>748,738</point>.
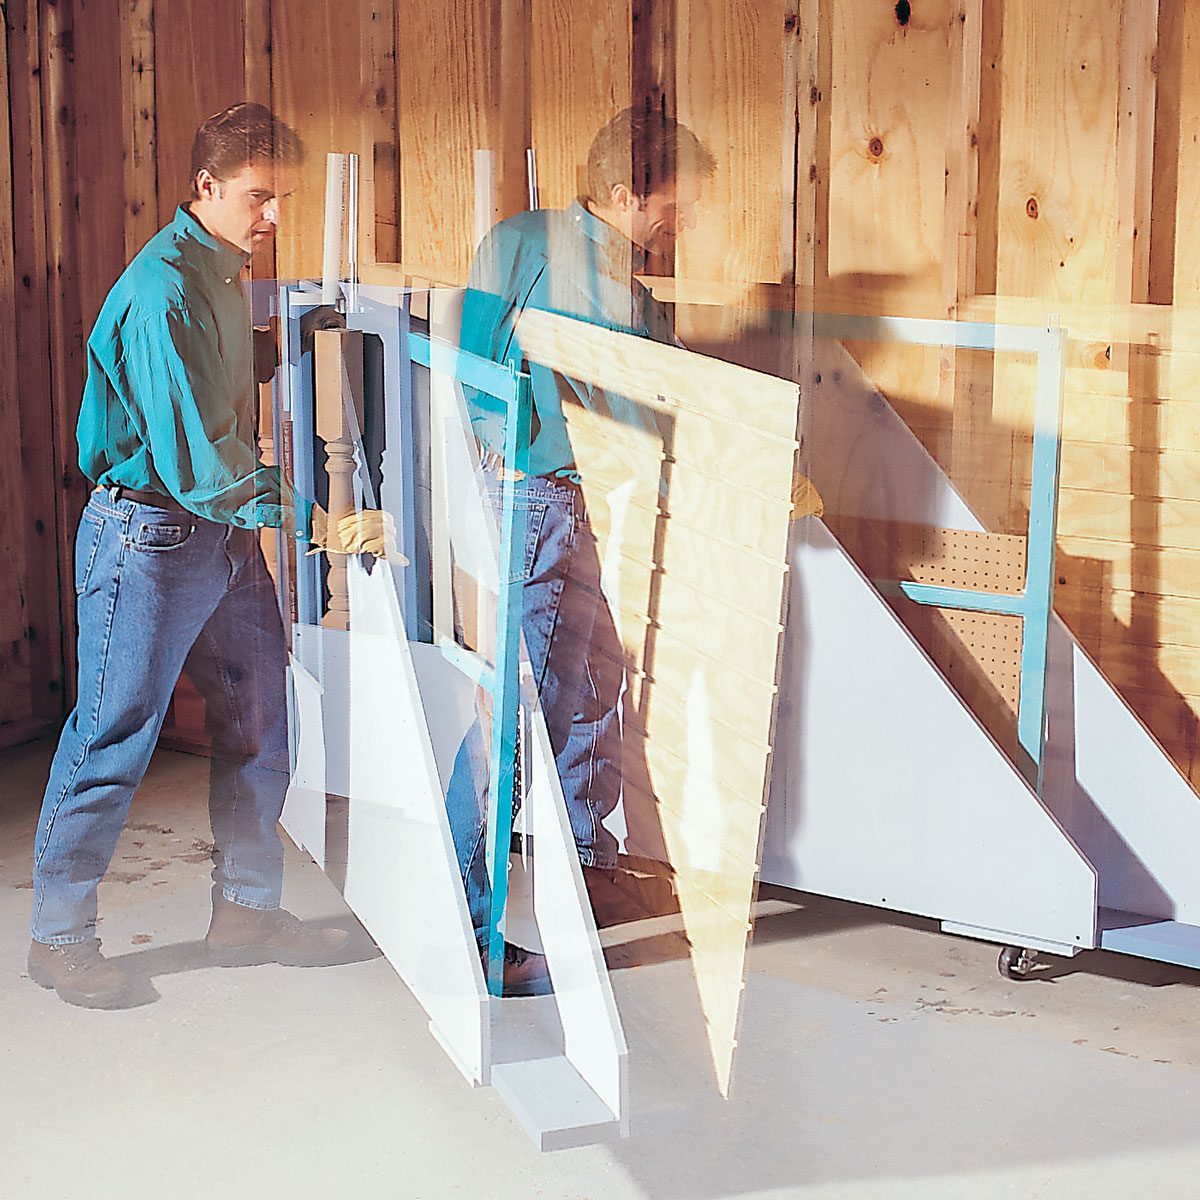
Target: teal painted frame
<point>1035,605</point>
<point>507,392</point>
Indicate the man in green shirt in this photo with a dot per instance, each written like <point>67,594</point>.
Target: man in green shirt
<point>170,577</point>
<point>645,175</point>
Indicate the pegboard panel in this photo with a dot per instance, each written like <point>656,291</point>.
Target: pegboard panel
<point>979,653</point>
<point>959,558</point>
<point>980,656</point>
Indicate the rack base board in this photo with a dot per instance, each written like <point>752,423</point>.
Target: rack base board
<point>1150,937</point>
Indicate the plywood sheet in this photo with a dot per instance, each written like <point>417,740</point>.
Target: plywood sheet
<point>1059,208</point>
<point>1125,517</point>
<point>1101,615</point>
<point>889,141</point>
<point>734,90</point>
<point>892,86</point>
<point>580,64</point>
<point>1184,152</point>
<point>445,112</point>
<point>318,87</point>
<point>707,775</point>
<point>1153,570</point>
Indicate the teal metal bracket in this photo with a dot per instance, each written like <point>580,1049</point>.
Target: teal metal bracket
<point>506,392</point>
<point>1035,604</point>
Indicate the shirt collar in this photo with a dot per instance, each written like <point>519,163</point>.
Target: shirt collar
<point>617,247</point>
<point>225,260</point>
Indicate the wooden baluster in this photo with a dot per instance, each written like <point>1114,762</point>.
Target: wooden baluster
<point>339,384</point>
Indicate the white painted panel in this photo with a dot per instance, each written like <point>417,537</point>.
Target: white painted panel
<point>1108,780</point>
<point>864,460</point>
<point>325,660</point>
<point>402,879</point>
<point>593,1039</point>
<point>886,790</point>
<point>472,530</point>
<point>303,816</point>
<point>1110,784</point>
<point>554,1105</point>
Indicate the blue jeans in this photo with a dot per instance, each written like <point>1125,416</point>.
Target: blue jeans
<point>576,657</point>
<point>160,592</point>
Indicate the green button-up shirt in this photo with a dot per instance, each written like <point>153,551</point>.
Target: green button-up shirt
<point>565,261</point>
<point>170,403</point>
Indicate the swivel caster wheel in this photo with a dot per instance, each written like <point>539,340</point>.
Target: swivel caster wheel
<point>1016,962</point>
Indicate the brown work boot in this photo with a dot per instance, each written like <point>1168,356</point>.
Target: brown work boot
<point>79,973</point>
<point>620,896</point>
<point>246,937</point>
<point>525,973</point>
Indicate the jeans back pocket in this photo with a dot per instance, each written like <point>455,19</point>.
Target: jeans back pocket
<point>535,518</point>
<point>155,536</point>
<point>87,545</point>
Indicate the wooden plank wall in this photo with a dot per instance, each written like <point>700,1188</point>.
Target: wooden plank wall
<point>15,681</point>
<point>37,572</point>
<point>989,159</point>
<point>946,157</point>
<point>447,101</point>
<point>581,73</point>
<point>1086,153</point>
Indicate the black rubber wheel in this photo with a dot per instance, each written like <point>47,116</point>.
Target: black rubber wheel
<point>1014,963</point>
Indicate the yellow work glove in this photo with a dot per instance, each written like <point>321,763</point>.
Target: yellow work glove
<point>371,531</point>
<point>806,500</point>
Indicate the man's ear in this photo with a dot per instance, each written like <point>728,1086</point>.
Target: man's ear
<point>623,198</point>
<point>206,185</point>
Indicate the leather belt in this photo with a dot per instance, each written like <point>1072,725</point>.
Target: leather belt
<point>150,499</point>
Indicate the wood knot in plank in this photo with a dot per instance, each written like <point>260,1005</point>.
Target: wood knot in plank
<point>875,148</point>
<point>1031,208</point>
<point>903,13</point>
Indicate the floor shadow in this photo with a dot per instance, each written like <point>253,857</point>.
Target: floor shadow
<point>178,958</point>
<point>1108,965</point>
<point>816,916</point>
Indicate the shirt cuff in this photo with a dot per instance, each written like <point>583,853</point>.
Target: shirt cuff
<point>268,516</point>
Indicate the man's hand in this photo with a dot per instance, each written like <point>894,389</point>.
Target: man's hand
<point>323,317</point>
<point>806,500</point>
<point>371,531</point>
<point>266,351</point>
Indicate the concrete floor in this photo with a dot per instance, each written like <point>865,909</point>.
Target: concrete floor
<point>878,1059</point>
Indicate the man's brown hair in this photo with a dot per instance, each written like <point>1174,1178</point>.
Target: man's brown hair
<point>239,135</point>
<point>645,150</point>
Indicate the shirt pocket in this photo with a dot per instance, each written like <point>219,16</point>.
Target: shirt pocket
<point>160,537</point>
<point>87,545</point>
